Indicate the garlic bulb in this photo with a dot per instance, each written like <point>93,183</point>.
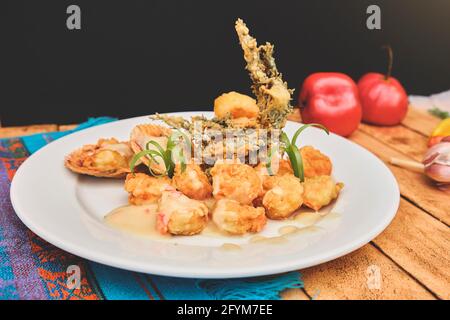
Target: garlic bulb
<point>437,161</point>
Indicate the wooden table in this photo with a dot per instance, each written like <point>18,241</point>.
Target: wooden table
<point>411,255</point>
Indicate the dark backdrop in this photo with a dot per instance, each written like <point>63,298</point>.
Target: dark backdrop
<point>137,57</point>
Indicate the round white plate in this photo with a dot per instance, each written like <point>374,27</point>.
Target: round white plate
<point>67,210</point>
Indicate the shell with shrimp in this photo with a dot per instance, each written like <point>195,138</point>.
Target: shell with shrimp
<point>107,158</point>
<point>139,141</point>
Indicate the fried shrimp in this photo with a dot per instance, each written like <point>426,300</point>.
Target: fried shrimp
<point>315,163</point>
<point>235,218</point>
<point>283,197</point>
<point>241,108</point>
<point>193,182</point>
<point>145,189</point>
<point>235,181</point>
<point>139,138</point>
<point>108,158</point>
<point>179,215</point>
<point>283,167</point>
<point>319,191</point>
<point>272,94</point>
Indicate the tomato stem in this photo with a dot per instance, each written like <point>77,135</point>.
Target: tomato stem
<point>390,61</point>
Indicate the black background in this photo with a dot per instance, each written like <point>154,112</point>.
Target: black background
<point>136,57</point>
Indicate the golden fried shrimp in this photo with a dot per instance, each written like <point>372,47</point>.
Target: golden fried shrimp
<point>179,215</point>
<point>283,197</point>
<point>235,181</point>
<point>145,189</point>
<point>108,158</point>
<point>320,191</point>
<point>141,135</point>
<point>283,167</point>
<point>193,182</point>
<point>315,163</point>
<point>241,108</point>
<point>235,218</point>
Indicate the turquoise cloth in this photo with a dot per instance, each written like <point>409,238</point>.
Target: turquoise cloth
<point>30,268</point>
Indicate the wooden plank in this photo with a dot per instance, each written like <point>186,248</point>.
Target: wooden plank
<point>65,127</point>
<point>294,294</point>
<point>7,132</point>
<point>420,245</point>
<point>420,121</point>
<point>347,278</point>
<point>399,138</point>
<point>412,142</point>
<point>414,186</point>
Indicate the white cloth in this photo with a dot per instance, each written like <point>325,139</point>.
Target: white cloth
<point>439,100</point>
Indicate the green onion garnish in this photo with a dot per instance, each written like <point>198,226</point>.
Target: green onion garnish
<point>292,151</point>
<point>165,155</point>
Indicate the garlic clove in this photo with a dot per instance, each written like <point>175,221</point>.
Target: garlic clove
<point>437,162</point>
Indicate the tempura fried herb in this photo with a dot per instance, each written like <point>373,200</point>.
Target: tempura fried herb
<point>272,94</point>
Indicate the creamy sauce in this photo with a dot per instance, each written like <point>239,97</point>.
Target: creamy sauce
<point>230,247</point>
<point>268,240</point>
<point>211,230</point>
<point>141,220</point>
<point>286,230</point>
<point>257,238</point>
<point>307,218</point>
<point>138,220</point>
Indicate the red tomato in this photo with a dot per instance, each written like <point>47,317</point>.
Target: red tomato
<point>384,101</point>
<point>331,99</point>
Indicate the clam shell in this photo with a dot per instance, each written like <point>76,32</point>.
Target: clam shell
<point>79,161</point>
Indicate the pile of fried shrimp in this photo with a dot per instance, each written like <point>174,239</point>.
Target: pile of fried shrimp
<point>238,198</point>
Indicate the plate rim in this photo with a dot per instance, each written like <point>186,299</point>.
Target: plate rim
<point>175,271</point>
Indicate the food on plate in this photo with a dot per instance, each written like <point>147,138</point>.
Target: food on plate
<point>179,215</point>
<point>192,181</point>
<point>315,163</point>
<point>235,218</point>
<point>284,195</point>
<point>107,158</point>
<point>331,99</point>
<point>319,191</point>
<point>140,137</point>
<point>242,109</point>
<point>278,167</point>
<point>235,170</point>
<point>235,181</point>
<point>383,99</point>
<point>145,189</point>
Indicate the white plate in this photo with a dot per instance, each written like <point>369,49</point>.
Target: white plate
<point>67,210</point>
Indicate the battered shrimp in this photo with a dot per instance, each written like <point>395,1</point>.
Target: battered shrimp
<point>283,167</point>
<point>283,197</point>
<point>235,181</point>
<point>193,182</point>
<point>179,215</point>
<point>241,108</point>
<point>319,191</point>
<point>235,218</point>
<point>145,189</point>
<point>108,158</point>
<point>315,163</point>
